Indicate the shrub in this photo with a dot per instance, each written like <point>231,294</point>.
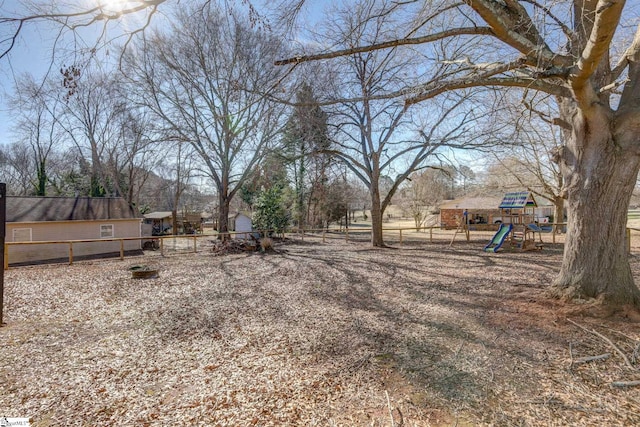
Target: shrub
<point>270,213</point>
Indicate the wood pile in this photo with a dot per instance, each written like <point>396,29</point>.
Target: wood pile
<point>233,246</point>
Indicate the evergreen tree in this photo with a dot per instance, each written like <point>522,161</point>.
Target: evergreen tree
<point>305,139</point>
<point>270,213</point>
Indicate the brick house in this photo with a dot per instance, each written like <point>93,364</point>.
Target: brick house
<point>480,210</point>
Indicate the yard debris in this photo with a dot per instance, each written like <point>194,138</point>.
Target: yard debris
<point>588,359</point>
<point>233,246</point>
<point>608,341</point>
<point>623,384</point>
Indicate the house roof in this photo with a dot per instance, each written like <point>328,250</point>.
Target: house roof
<point>472,203</point>
<point>518,200</point>
<point>38,209</point>
<point>158,215</point>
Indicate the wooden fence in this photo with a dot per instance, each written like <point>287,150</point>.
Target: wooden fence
<point>400,235</point>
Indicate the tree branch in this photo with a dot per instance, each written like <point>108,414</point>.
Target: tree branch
<point>485,31</point>
<point>571,35</point>
<point>93,15</point>
<point>607,17</point>
<point>435,88</point>
<point>631,58</point>
<point>511,24</point>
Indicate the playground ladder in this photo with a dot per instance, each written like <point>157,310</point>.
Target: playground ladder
<point>518,236</point>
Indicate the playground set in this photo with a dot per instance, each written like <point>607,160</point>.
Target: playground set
<point>517,228</point>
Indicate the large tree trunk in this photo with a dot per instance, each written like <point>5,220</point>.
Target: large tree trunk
<point>600,168</point>
<point>98,185</point>
<point>223,217</point>
<point>41,188</point>
<point>376,218</point>
<point>174,221</point>
<point>558,213</point>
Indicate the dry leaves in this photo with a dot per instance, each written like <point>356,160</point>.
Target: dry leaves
<point>314,334</point>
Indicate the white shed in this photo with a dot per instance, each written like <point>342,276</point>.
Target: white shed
<point>240,223</point>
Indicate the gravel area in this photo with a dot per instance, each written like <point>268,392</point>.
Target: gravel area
<point>314,334</point>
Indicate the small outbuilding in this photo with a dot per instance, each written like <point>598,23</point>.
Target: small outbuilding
<point>58,219</point>
<point>242,224</point>
<point>161,222</point>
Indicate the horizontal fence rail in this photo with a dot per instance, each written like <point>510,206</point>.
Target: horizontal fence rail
<point>392,235</point>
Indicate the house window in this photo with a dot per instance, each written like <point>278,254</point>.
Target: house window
<point>21,234</point>
<point>106,231</point>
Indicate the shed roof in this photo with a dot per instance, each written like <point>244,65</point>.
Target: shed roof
<point>518,200</point>
<point>472,203</point>
<point>39,209</point>
<point>158,215</point>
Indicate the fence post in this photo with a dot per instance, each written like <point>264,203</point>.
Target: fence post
<point>3,247</point>
<point>161,246</point>
<point>70,253</point>
<point>346,235</point>
<point>121,249</point>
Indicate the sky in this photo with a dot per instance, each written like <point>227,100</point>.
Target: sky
<point>34,50</point>
<point>28,55</point>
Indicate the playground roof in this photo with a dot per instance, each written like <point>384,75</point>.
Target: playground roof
<point>518,200</point>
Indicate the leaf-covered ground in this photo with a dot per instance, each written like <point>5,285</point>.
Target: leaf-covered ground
<point>315,333</point>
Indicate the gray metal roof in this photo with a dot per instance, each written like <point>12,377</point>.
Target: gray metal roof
<point>38,209</point>
<point>158,215</point>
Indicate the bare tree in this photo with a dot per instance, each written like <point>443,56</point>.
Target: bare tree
<point>535,141</point>
<point>178,173</point>
<point>92,122</point>
<point>424,192</point>
<point>35,117</point>
<point>380,140</point>
<point>17,168</point>
<point>567,50</point>
<point>205,80</point>
<point>135,151</point>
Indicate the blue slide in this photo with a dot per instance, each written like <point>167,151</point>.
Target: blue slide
<point>499,238</point>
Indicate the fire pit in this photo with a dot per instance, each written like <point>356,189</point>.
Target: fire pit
<point>143,272</point>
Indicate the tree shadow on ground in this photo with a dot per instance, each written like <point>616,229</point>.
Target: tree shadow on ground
<point>459,326</point>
